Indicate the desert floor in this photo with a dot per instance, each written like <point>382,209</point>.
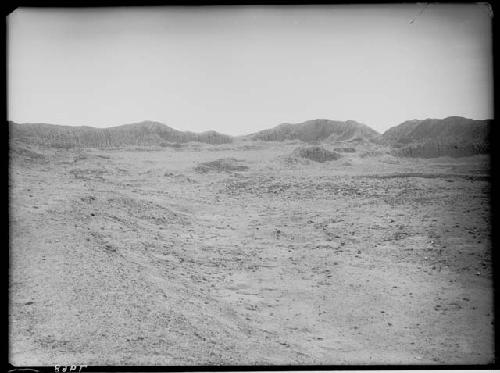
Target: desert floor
<point>130,257</point>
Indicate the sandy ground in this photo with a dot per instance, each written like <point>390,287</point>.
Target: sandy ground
<point>132,257</point>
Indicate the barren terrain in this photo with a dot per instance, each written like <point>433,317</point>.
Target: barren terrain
<point>159,257</point>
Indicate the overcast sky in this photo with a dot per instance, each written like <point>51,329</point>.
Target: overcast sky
<point>241,69</point>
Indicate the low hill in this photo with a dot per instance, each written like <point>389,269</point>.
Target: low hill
<point>145,133</point>
<point>316,154</point>
<point>319,130</point>
<point>452,136</point>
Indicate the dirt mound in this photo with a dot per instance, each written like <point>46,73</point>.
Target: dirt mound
<point>372,153</point>
<point>434,149</point>
<point>146,133</point>
<point>89,173</point>
<point>431,138</point>
<point>26,155</point>
<point>221,165</point>
<point>318,130</point>
<point>316,154</point>
<point>345,150</point>
<point>82,156</point>
<point>173,145</point>
<point>449,130</point>
<point>25,152</point>
<point>123,207</point>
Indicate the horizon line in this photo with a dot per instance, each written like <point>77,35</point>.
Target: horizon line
<point>242,135</point>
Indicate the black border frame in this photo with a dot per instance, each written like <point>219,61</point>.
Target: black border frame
<point>10,6</point>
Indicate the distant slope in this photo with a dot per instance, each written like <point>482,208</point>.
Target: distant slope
<point>452,136</point>
<point>143,134</point>
<point>319,130</point>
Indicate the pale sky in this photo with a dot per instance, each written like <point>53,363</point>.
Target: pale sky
<point>238,70</point>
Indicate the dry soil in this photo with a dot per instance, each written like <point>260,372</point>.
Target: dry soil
<point>131,257</point>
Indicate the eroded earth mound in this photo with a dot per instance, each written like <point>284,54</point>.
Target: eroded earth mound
<point>221,165</point>
<point>316,154</point>
<point>431,138</point>
<point>146,133</point>
<point>319,130</point>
